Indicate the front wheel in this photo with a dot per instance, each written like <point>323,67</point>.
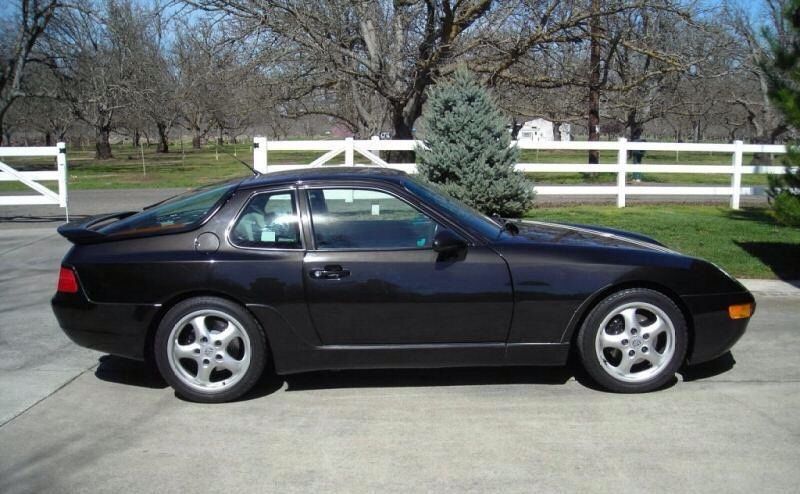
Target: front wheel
<point>633,341</point>
<point>210,350</point>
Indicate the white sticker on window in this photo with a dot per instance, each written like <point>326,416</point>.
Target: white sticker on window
<point>267,236</point>
<point>376,210</point>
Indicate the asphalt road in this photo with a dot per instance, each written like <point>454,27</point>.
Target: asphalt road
<point>75,420</point>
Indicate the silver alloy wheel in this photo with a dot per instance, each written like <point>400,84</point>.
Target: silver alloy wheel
<point>208,350</point>
<point>635,342</point>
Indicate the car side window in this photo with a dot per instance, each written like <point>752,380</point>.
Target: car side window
<point>367,219</point>
<point>268,221</point>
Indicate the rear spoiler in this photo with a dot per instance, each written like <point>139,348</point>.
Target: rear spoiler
<point>82,232</point>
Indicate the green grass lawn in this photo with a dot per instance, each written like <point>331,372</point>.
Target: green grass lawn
<point>190,167</point>
<point>187,168</point>
<point>746,243</point>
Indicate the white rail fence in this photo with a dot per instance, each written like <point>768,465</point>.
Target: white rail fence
<point>44,194</point>
<point>370,149</point>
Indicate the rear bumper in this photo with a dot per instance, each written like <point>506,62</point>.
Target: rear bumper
<point>118,329</point>
<point>714,331</point>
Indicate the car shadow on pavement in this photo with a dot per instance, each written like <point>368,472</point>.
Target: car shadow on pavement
<point>719,365</point>
<point>135,373</point>
<point>464,376</point>
<point>130,372</point>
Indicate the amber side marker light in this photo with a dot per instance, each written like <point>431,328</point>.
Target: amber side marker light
<point>67,283</point>
<point>740,311</point>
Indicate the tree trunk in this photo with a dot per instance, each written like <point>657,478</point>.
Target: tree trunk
<point>48,139</point>
<point>764,159</point>
<point>136,138</point>
<point>103,144</point>
<point>635,129</point>
<point>163,139</point>
<point>516,125</point>
<point>196,141</point>
<point>594,80</point>
<point>403,130</point>
<point>5,134</point>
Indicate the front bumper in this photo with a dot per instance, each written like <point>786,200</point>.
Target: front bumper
<point>714,331</point>
<point>118,329</point>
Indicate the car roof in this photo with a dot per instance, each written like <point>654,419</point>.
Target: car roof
<point>335,173</point>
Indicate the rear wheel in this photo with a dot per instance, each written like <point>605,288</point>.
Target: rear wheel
<point>210,349</point>
<point>633,341</point>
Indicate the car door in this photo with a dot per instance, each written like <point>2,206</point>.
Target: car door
<point>373,277</point>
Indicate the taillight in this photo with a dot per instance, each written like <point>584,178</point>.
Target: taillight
<point>67,283</point>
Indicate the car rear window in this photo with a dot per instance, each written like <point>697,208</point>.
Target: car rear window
<point>179,213</point>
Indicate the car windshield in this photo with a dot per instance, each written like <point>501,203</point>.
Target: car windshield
<point>181,212</point>
<point>471,217</point>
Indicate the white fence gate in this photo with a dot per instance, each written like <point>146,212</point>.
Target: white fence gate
<point>32,179</point>
<point>369,148</point>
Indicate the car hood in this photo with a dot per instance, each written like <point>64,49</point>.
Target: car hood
<point>582,235</point>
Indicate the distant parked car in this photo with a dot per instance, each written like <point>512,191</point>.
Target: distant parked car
<point>334,268</point>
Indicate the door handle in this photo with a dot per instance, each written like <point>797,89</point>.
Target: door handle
<point>333,272</point>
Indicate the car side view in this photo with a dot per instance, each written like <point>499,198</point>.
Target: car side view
<point>356,267</point>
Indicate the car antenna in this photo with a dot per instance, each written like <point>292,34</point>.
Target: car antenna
<point>252,169</point>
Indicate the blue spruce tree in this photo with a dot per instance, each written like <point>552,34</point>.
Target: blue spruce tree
<point>468,154</point>
<point>784,91</point>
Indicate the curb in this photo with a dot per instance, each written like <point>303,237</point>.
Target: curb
<point>773,288</point>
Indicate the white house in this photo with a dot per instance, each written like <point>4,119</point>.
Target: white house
<point>536,130</point>
<point>539,129</point>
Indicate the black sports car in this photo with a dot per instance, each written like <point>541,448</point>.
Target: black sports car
<point>334,268</point>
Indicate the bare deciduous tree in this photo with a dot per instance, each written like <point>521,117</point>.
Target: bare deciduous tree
<point>622,54</point>
<point>360,51</point>
<point>156,79</point>
<point>40,110</point>
<point>665,66</point>
<point>750,92</point>
<point>18,39</point>
<point>96,52</point>
<point>211,70</point>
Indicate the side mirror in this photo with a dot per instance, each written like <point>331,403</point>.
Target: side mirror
<point>447,242</point>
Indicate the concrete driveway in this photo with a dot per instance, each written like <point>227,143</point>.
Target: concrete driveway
<point>74,420</point>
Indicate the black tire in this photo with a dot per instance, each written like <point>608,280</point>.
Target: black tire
<point>244,323</point>
<point>605,369</point>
